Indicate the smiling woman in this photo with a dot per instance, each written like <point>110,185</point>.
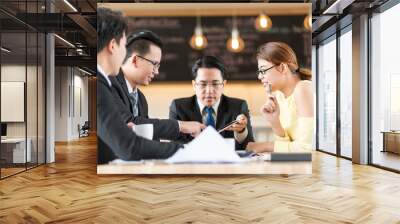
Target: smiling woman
<point>289,108</point>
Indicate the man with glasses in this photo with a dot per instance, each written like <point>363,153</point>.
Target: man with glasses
<point>115,138</point>
<point>210,106</point>
<point>141,64</point>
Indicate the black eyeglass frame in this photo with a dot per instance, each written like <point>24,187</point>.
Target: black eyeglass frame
<point>156,64</point>
<point>263,71</point>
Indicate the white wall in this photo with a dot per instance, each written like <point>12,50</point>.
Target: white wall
<point>71,102</point>
<point>33,126</point>
<point>15,73</point>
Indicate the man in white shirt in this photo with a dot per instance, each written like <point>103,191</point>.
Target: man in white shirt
<point>210,106</point>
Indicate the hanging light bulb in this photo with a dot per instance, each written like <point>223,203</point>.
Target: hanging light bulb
<point>235,43</point>
<point>198,40</point>
<point>308,22</point>
<point>263,22</point>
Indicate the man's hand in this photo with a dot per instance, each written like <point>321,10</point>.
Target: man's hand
<point>130,125</point>
<point>191,127</point>
<point>241,125</point>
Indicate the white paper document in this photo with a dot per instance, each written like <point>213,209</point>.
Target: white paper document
<point>208,147</point>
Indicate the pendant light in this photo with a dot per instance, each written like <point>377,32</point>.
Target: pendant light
<point>308,22</point>
<point>263,22</point>
<point>198,40</point>
<point>235,43</point>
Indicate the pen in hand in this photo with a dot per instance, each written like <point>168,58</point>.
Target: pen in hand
<point>227,126</point>
<point>269,89</point>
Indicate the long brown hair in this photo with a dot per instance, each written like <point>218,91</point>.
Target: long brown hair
<point>279,52</point>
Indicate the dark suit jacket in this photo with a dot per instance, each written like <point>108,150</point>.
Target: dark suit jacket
<point>187,109</point>
<point>115,139</point>
<point>143,107</point>
<point>163,128</point>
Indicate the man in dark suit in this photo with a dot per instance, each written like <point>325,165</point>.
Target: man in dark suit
<point>115,138</point>
<point>210,106</point>
<point>140,66</point>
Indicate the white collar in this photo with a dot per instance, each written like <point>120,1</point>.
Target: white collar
<point>130,89</point>
<point>104,74</point>
<point>215,106</point>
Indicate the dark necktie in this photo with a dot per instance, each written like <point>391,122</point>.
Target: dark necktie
<point>210,119</point>
<point>133,99</point>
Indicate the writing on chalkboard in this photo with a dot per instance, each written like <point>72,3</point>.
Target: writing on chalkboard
<point>178,57</point>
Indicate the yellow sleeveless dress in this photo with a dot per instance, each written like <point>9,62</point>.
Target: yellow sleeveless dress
<point>298,130</point>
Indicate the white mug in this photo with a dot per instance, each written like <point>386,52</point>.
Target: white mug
<point>144,130</point>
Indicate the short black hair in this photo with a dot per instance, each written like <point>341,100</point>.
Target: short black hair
<point>110,25</point>
<point>208,62</point>
<point>140,42</point>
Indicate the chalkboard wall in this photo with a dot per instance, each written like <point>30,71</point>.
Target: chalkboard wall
<point>178,57</point>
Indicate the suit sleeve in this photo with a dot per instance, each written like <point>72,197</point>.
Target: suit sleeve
<point>245,110</point>
<point>163,128</point>
<point>303,143</point>
<point>144,105</point>
<point>174,114</point>
<point>124,143</point>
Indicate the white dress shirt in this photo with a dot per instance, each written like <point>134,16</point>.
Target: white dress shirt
<point>130,89</point>
<point>103,74</point>
<point>240,137</point>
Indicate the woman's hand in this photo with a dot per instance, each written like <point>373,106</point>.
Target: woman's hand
<point>271,110</point>
<point>259,147</point>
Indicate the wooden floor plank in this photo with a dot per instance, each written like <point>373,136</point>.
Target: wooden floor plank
<point>70,191</point>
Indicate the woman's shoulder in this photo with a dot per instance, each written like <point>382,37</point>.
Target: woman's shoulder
<point>304,84</point>
<point>304,96</point>
<point>303,88</point>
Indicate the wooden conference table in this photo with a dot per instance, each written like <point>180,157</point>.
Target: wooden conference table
<point>251,167</point>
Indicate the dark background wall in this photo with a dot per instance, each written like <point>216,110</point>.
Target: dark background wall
<point>178,56</point>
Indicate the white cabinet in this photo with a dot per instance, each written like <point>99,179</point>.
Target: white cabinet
<point>16,148</point>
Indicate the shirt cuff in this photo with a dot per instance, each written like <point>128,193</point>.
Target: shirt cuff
<point>179,126</point>
<point>284,138</point>
<point>281,146</point>
<point>240,137</point>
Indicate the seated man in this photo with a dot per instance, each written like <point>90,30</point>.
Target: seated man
<point>140,66</point>
<point>210,106</point>
<point>115,139</point>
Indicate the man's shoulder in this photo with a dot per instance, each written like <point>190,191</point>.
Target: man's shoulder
<point>140,93</point>
<point>233,100</point>
<point>184,101</point>
<point>120,78</point>
<point>101,80</point>
<point>114,82</point>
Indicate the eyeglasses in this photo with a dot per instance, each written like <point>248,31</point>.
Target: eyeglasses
<point>155,64</point>
<point>263,71</point>
<point>214,85</point>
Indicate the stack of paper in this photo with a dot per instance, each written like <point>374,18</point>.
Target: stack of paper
<point>208,147</point>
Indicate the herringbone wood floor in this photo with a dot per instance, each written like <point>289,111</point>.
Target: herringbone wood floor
<point>70,191</point>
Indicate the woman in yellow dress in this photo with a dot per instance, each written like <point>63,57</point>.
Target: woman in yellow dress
<point>289,108</point>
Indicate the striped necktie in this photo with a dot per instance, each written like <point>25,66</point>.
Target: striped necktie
<point>209,119</point>
<point>133,99</point>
